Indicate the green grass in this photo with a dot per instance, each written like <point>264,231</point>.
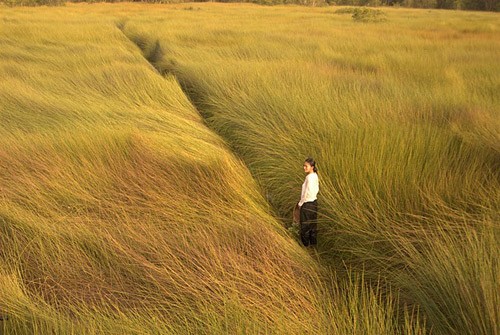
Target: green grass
<point>122,212</point>
<point>401,115</point>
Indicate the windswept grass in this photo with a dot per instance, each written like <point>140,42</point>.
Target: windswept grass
<point>122,213</point>
<point>402,117</point>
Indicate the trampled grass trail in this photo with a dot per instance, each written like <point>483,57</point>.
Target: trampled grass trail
<point>121,212</point>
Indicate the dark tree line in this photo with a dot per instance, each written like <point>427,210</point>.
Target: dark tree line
<point>482,5</point>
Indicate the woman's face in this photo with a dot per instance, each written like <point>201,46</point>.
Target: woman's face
<point>308,168</point>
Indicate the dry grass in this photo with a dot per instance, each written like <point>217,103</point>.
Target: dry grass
<point>402,116</point>
<point>121,212</point>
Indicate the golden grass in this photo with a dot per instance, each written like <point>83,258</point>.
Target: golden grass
<point>116,198</point>
<point>402,116</point>
<point>121,212</point>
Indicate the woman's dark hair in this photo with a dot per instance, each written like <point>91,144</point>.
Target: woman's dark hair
<point>311,162</point>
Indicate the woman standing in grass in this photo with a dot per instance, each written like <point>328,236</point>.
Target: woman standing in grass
<point>308,204</point>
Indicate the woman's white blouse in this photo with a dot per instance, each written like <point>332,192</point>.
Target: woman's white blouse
<point>310,188</point>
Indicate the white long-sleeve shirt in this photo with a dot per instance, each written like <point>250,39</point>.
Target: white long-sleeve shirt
<point>310,188</point>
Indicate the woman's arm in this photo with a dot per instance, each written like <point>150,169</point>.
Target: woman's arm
<point>303,195</point>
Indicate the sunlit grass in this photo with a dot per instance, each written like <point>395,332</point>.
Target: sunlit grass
<point>115,194</point>
<point>402,116</point>
<point>121,212</point>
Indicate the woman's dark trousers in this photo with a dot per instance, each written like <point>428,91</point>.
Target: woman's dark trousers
<point>309,223</point>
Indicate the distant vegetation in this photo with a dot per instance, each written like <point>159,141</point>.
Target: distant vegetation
<point>150,156</point>
<point>479,5</point>
<point>363,14</point>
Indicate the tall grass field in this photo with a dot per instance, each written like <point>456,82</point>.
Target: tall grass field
<point>151,155</point>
